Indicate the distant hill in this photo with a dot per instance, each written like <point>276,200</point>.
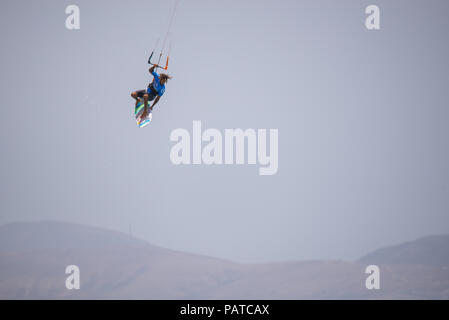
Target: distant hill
<point>59,235</point>
<point>33,258</point>
<point>430,251</point>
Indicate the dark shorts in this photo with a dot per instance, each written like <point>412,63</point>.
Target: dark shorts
<point>140,94</point>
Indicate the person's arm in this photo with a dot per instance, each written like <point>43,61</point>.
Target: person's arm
<point>154,74</point>
<point>154,103</point>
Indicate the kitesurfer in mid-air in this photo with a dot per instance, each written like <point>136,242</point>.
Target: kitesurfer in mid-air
<point>154,91</point>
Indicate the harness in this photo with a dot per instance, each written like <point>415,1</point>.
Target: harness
<point>153,91</point>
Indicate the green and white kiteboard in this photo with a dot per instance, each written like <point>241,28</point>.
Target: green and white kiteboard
<point>138,113</point>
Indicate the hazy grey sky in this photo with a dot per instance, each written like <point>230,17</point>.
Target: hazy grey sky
<point>362,118</point>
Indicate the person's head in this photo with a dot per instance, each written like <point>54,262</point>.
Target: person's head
<point>163,78</point>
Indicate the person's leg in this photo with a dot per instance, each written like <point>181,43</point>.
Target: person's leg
<point>145,105</point>
<point>137,95</point>
<point>147,97</point>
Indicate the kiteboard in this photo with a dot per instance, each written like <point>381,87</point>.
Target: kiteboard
<point>138,113</point>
